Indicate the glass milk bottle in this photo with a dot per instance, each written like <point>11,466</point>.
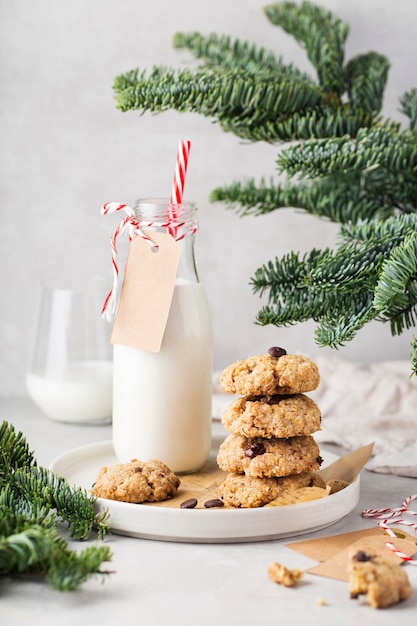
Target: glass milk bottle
<point>162,400</point>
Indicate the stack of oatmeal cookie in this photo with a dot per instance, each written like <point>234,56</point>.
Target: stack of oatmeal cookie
<point>270,449</point>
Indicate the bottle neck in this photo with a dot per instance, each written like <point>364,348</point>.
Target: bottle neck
<point>178,220</point>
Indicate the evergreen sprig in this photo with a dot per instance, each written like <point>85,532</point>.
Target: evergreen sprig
<point>375,147</point>
<point>215,93</point>
<point>321,33</point>
<point>340,198</point>
<point>366,77</point>
<point>371,275</point>
<point>409,107</point>
<point>223,52</point>
<point>34,502</point>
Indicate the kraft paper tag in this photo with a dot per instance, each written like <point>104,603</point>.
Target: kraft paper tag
<point>146,293</point>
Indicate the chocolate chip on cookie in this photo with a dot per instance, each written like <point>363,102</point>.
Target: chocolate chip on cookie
<point>276,352</point>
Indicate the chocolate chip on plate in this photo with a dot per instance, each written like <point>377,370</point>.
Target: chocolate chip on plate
<point>191,503</point>
<point>211,504</point>
<point>277,352</point>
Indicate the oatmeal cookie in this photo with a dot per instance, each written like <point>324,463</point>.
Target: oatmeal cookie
<point>278,416</point>
<point>382,582</point>
<point>247,492</point>
<point>256,456</point>
<point>269,375</point>
<point>136,482</point>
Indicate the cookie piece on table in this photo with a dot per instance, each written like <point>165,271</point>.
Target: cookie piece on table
<point>238,490</point>
<point>136,482</point>
<point>256,456</point>
<point>283,575</point>
<point>382,582</point>
<point>278,416</point>
<point>269,375</point>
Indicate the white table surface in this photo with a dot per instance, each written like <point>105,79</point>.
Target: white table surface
<point>156,582</point>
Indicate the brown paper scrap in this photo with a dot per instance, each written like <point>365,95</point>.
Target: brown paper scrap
<point>146,294</point>
<point>348,466</point>
<point>337,566</point>
<point>304,494</point>
<point>324,548</point>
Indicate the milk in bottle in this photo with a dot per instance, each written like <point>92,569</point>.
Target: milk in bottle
<point>162,400</point>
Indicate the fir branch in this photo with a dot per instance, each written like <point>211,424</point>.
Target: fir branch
<point>409,107</point>
<point>413,355</point>
<point>318,122</point>
<point>372,147</point>
<point>338,327</point>
<point>221,51</point>
<point>340,198</point>
<point>14,452</point>
<point>398,270</point>
<point>72,504</point>
<point>70,570</point>
<point>29,549</point>
<point>366,77</point>
<point>249,198</point>
<point>377,230</point>
<point>321,33</point>
<point>290,272</point>
<point>214,93</point>
<point>33,502</point>
<point>36,549</point>
<point>351,263</point>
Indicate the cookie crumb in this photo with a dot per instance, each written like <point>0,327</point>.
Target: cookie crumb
<point>284,576</point>
<point>321,602</point>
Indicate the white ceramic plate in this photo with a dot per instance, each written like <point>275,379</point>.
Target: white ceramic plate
<point>80,467</point>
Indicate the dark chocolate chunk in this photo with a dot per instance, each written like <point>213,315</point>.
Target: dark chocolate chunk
<point>191,503</point>
<point>256,448</point>
<point>211,504</point>
<point>277,352</point>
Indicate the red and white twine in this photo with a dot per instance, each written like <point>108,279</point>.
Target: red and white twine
<point>133,228</point>
<point>395,515</point>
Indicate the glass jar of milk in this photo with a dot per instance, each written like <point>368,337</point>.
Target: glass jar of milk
<point>71,372</point>
<point>162,400</point>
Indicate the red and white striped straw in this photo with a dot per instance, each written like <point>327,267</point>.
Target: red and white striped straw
<point>178,184</point>
<point>181,165</point>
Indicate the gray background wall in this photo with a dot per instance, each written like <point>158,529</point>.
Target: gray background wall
<point>65,149</point>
